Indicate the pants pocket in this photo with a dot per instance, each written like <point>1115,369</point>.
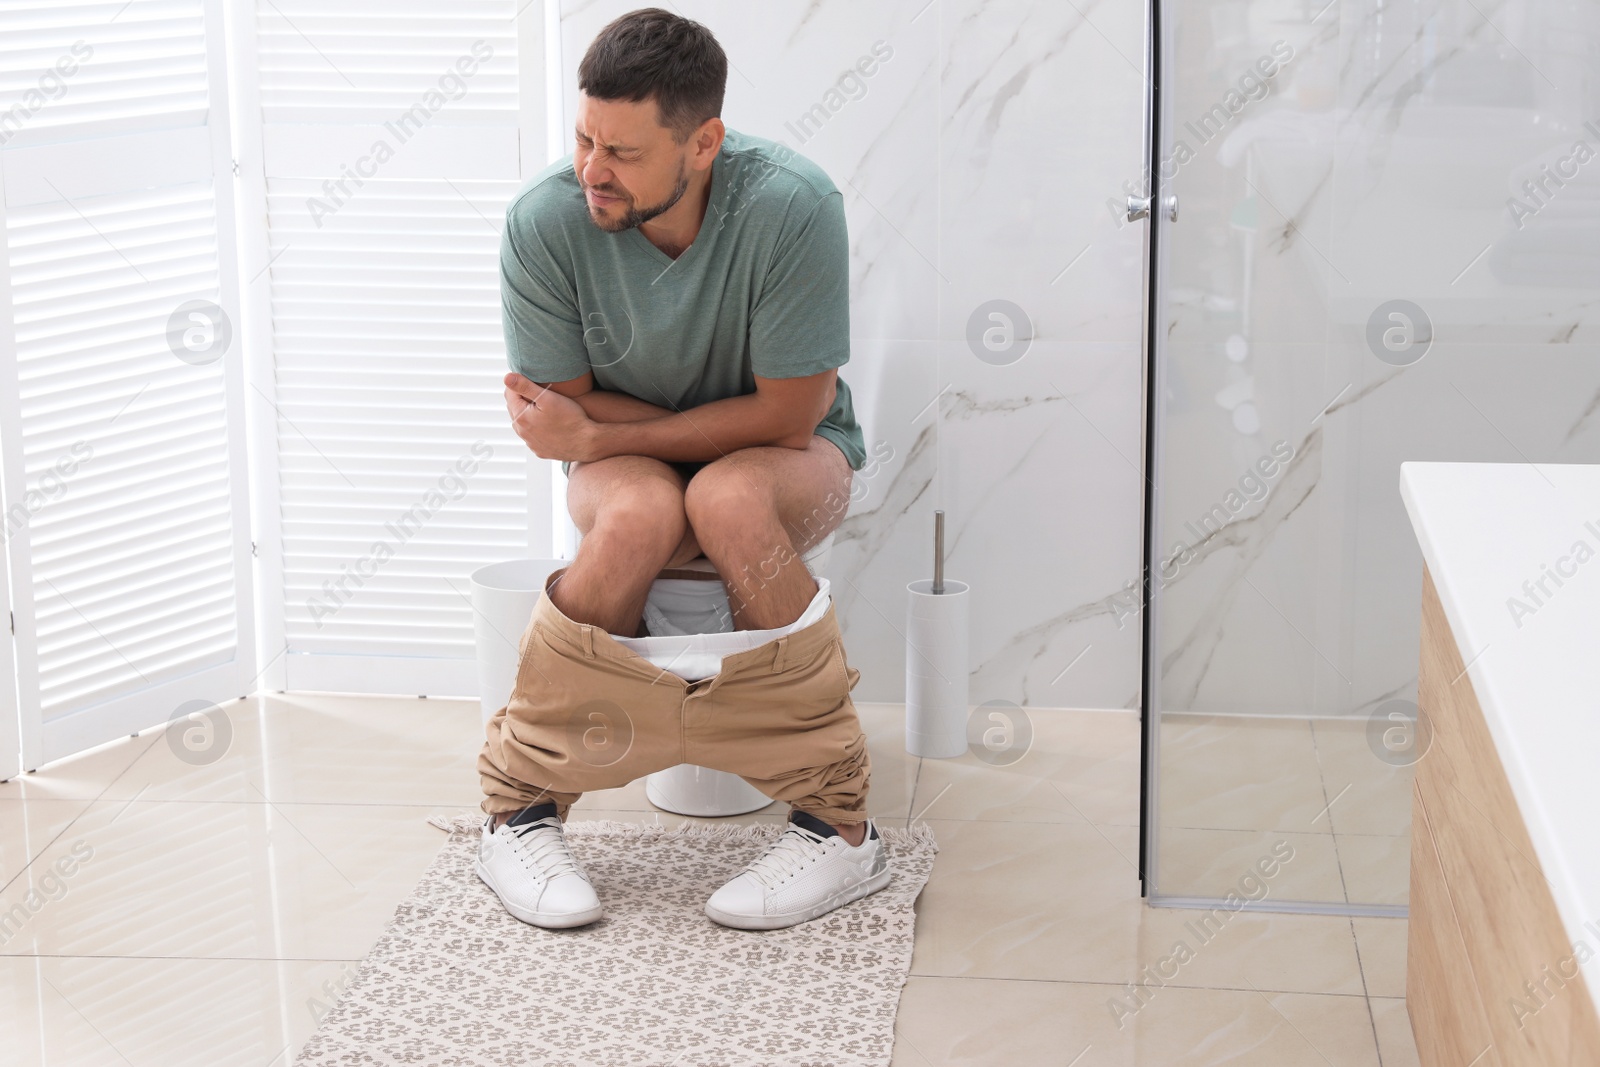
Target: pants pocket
<point>531,639</point>
<point>852,677</point>
<point>848,676</point>
<point>818,689</point>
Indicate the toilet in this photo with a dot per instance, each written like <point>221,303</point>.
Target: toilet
<point>503,599</point>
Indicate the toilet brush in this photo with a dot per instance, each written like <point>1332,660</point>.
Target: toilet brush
<point>936,660</point>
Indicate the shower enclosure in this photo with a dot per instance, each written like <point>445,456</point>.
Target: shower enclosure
<point>1374,237</point>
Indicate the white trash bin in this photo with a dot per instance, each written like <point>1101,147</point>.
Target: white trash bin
<point>503,598</point>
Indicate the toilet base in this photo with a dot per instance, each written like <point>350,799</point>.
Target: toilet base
<point>702,792</point>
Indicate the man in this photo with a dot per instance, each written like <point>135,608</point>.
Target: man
<point>676,306</point>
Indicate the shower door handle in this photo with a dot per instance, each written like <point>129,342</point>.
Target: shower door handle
<point>1139,208</point>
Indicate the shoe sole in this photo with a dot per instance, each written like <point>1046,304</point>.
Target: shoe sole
<point>535,918</point>
<point>795,918</point>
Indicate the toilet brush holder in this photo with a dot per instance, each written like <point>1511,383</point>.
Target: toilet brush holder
<point>936,660</point>
<point>936,669</point>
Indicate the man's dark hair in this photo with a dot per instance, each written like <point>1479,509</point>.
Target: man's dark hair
<point>654,54</point>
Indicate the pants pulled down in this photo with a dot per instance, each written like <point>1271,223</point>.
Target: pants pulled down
<point>587,713</point>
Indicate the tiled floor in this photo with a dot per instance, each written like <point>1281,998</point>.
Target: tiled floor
<point>216,909</point>
<point>1232,786</point>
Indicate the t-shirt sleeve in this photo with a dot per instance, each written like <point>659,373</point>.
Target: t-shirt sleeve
<point>544,333</point>
<point>800,324</point>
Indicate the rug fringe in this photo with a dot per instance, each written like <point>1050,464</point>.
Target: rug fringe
<point>919,835</point>
<point>464,823</point>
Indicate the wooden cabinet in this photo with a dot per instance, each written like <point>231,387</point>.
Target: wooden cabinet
<point>1491,974</point>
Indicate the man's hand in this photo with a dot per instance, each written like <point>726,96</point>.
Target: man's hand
<point>552,425</point>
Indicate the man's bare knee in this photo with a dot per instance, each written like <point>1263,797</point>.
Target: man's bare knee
<point>722,495</point>
<point>643,490</point>
<point>647,520</point>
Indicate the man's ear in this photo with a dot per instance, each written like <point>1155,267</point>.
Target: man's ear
<point>707,143</point>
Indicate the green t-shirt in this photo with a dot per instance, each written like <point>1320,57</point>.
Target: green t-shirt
<point>763,290</point>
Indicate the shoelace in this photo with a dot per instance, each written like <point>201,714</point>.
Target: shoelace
<point>787,855</point>
<point>548,852</point>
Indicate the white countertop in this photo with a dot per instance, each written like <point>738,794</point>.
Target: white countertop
<point>1485,530</point>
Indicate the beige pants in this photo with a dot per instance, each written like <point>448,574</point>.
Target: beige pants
<point>587,713</point>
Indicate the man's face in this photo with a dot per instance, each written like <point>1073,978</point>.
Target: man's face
<point>630,168</point>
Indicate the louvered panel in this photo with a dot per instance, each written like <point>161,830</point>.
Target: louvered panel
<point>10,734</point>
<point>90,284</point>
<point>364,63</point>
<point>132,555</point>
<point>389,354</point>
<point>75,69</point>
<point>160,424</point>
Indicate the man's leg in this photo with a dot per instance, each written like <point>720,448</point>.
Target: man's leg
<point>781,717</point>
<point>754,512</point>
<point>584,714</point>
<point>630,511</point>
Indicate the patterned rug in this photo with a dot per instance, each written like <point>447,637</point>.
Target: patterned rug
<point>455,981</point>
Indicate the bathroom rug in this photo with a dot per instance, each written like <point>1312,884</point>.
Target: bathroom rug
<point>455,981</point>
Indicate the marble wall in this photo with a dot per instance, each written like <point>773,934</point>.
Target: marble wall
<point>975,165</point>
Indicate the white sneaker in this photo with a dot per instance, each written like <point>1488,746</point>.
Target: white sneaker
<point>526,862</point>
<point>807,872</point>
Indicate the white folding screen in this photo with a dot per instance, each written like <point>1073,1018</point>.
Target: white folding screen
<point>382,144</point>
<point>121,415</point>
<point>10,723</point>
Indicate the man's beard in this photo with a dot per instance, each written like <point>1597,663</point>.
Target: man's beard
<point>636,216</point>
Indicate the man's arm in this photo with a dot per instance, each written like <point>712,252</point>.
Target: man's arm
<point>603,405</point>
<point>782,412</point>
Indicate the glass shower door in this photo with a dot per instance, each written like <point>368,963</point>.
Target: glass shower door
<point>1386,247</point>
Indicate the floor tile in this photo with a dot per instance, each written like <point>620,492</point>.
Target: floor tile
<point>322,749</point>
<point>977,1023</point>
<point>1239,773</point>
<point>1217,1027</point>
<point>81,777</point>
<point>1080,766</point>
<point>1395,1043</point>
<point>1213,863</point>
<point>1028,900</point>
<point>214,880</point>
<point>27,826</point>
<point>79,1012</point>
<point>1099,768</point>
<point>1382,945</point>
<point>962,1022</point>
<point>1377,870</point>
<point>894,770</point>
<point>1373,797</point>
<point>630,797</point>
<point>1243,950</point>
<point>1338,1029</point>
